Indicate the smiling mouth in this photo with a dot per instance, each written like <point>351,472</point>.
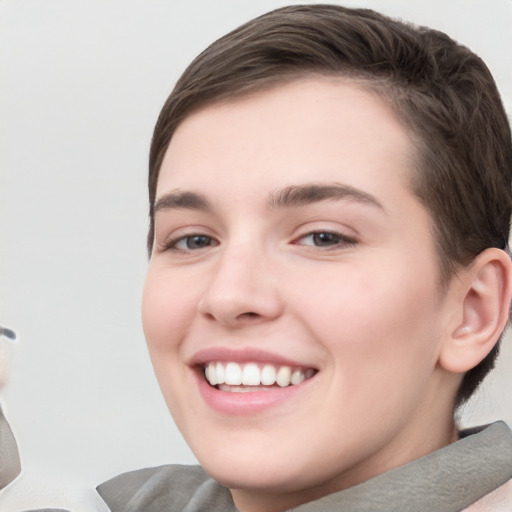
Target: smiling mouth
<point>249,377</point>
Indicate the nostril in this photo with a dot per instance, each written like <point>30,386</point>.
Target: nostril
<point>249,314</point>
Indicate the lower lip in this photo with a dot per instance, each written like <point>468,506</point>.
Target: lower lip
<point>247,403</point>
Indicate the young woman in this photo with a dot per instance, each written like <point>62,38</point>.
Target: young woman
<point>329,276</point>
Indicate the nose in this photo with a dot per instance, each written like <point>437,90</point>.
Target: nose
<point>242,288</point>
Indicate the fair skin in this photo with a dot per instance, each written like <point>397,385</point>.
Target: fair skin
<point>286,235</point>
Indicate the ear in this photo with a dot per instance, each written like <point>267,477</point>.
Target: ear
<point>484,294</point>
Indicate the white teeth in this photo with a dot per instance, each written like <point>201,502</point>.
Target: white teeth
<point>210,375</point>
<point>297,377</point>
<point>268,375</point>
<point>253,376</point>
<point>233,375</point>
<point>283,376</point>
<point>220,373</point>
<point>309,373</point>
<point>242,389</point>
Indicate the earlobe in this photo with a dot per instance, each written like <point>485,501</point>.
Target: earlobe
<point>485,293</point>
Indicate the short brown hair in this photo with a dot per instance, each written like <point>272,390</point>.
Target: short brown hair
<point>438,88</point>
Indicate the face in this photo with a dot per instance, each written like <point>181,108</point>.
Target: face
<point>292,306</point>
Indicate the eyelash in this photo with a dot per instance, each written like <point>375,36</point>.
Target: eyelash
<point>333,240</point>
<point>172,243</point>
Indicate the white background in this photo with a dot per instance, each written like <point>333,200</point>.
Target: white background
<point>82,83</point>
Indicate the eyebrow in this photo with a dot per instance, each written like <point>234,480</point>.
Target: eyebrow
<point>181,199</point>
<point>300,195</point>
<point>287,197</point>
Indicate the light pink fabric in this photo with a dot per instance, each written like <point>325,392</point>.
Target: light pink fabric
<point>498,501</point>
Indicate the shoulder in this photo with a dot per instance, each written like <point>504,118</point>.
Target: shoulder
<point>155,489</point>
<point>494,465</point>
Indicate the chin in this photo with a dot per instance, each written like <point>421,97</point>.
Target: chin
<point>264,479</point>
<point>265,470</point>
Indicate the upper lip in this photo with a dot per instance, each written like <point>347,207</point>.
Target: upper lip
<point>243,355</point>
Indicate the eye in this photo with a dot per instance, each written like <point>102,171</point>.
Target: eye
<point>327,239</point>
<point>190,242</point>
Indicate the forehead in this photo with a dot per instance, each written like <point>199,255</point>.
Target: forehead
<point>320,129</point>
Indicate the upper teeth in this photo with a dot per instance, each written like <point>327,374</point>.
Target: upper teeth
<point>253,374</point>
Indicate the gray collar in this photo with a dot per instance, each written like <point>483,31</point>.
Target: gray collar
<point>447,480</point>
<point>10,465</point>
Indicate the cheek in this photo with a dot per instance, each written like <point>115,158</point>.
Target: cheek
<point>167,309</point>
<point>167,312</point>
<point>379,337</point>
<point>372,326</point>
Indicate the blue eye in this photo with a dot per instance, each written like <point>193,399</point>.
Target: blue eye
<point>191,243</point>
<point>325,239</point>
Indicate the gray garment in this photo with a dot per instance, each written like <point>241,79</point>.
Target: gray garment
<point>447,480</point>
<point>10,464</point>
